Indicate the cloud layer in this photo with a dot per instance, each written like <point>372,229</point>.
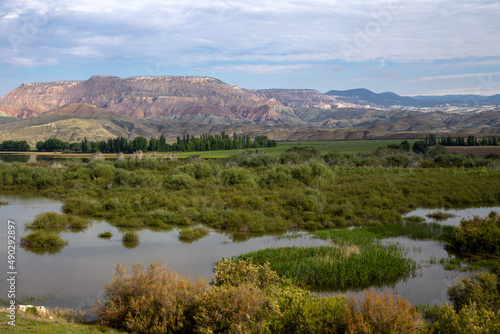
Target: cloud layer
<point>259,36</point>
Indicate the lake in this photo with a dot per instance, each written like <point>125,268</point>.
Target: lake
<point>75,277</point>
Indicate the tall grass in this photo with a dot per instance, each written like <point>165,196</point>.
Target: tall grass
<point>339,268</point>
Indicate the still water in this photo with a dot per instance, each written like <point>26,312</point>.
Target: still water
<point>75,277</point>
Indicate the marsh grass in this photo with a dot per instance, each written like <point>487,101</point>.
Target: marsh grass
<point>106,235</point>
<point>54,220</point>
<point>290,236</point>
<point>41,239</point>
<point>256,196</point>
<point>440,215</point>
<point>339,268</point>
<point>193,234</point>
<point>370,234</point>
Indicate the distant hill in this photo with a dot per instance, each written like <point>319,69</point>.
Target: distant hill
<point>391,100</point>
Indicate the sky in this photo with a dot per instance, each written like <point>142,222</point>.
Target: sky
<point>409,47</point>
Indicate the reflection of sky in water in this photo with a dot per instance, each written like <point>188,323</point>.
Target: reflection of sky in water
<point>79,272</point>
<point>459,214</point>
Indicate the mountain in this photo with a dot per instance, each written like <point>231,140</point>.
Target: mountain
<point>105,107</point>
<point>199,99</point>
<point>367,97</point>
<point>389,100</point>
<point>304,98</point>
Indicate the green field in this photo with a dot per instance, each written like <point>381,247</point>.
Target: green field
<point>325,146</point>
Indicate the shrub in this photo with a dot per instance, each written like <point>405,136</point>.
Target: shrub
<point>279,175</point>
<point>154,301</point>
<point>106,235</point>
<point>383,314</point>
<point>237,175</point>
<point>41,239</point>
<point>181,181</point>
<point>165,216</point>
<point>296,155</point>
<point>303,312</point>
<point>440,215</point>
<point>130,236</point>
<point>337,159</point>
<point>398,160</point>
<point>190,234</point>
<point>231,309</point>
<point>57,220</point>
<point>420,147</point>
<point>471,319</point>
<point>484,290</point>
<point>477,235</point>
<point>437,150</point>
<point>238,272</point>
<point>450,160</point>
<point>82,205</point>
<point>302,173</point>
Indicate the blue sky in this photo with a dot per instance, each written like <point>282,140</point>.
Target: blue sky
<point>409,47</point>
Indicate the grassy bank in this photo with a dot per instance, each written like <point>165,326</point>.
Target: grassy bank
<point>25,324</point>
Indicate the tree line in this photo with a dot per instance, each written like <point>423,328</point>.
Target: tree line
<point>470,140</point>
<point>188,143</point>
<point>12,145</point>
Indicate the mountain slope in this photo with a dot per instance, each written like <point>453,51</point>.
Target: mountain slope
<point>185,98</point>
<point>74,122</point>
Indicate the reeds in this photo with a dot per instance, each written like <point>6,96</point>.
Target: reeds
<point>337,267</point>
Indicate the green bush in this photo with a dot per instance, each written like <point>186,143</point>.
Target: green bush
<point>181,181</point>
<point>191,234</point>
<point>57,220</point>
<point>243,271</point>
<point>477,235</point>
<point>106,235</point>
<point>130,236</point>
<point>42,239</point>
<point>299,155</point>
<point>237,175</point>
<point>231,309</point>
<point>471,319</point>
<point>484,290</point>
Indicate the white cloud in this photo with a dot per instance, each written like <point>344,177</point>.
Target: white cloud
<point>398,31</point>
<point>456,76</point>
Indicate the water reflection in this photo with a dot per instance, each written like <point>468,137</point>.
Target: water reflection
<point>457,215</point>
<point>9,157</point>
